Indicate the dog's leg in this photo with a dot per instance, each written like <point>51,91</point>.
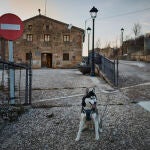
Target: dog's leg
<point>95,119</point>
<point>82,121</point>
<point>100,124</point>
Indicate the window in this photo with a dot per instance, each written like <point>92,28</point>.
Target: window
<point>28,56</point>
<point>66,38</point>
<point>30,27</point>
<point>65,56</point>
<point>29,37</point>
<point>47,27</point>
<point>46,37</point>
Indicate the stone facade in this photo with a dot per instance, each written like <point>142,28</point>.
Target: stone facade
<point>107,52</point>
<point>138,49</point>
<point>51,42</point>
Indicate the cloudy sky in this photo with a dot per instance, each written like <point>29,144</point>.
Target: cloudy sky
<point>111,17</point>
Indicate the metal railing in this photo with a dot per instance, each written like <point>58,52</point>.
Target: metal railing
<point>22,80</point>
<point>109,68</point>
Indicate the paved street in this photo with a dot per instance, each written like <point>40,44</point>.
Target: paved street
<point>135,81</point>
<point>53,120</point>
<point>133,73</point>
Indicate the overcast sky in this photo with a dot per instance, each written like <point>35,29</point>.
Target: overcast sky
<point>111,17</point>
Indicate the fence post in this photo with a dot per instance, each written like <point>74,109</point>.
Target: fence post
<point>117,72</point>
<point>26,88</point>
<point>114,73</point>
<point>2,83</point>
<point>104,64</point>
<point>30,78</point>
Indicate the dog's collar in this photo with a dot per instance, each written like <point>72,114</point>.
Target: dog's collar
<point>89,110</point>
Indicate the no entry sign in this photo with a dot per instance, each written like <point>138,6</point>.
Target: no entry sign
<point>11,26</point>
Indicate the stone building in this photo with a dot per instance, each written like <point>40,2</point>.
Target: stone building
<point>107,52</point>
<point>137,49</point>
<point>53,44</point>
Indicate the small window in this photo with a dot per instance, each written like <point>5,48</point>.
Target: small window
<point>29,37</point>
<point>46,37</point>
<point>30,27</point>
<point>65,56</point>
<point>27,56</point>
<point>47,27</point>
<point>66,38</point>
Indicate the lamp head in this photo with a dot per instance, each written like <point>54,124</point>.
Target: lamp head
<point>122,29</point>
<point>93,12</point>
<point>88,30</point>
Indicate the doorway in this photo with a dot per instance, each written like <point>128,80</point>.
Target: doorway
<point>46,60</point>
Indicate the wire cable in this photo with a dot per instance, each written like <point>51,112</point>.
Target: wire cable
<point>124,14</point>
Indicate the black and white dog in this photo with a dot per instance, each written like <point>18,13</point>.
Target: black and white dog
<point>89,113</point>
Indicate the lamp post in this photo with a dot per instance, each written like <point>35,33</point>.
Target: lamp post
<point>122,30</point>
<point>93,13</point>
<point>88,31</point>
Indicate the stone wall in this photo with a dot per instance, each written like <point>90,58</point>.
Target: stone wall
<point>140,57</point>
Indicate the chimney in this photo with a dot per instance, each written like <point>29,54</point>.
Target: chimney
<point>39,10</point>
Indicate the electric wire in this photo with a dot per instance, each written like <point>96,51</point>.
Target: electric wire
<point>124,14</point>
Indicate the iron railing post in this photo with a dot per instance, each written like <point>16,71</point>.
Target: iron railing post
<point>117,72</point>
<point>26,88</point>
<point>114,74</point>
<point>30,79</point>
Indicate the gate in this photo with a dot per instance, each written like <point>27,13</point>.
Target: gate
<point>109,68</point>
<point>23,82</point>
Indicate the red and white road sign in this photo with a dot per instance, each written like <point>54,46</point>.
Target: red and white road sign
<point>11,26</point>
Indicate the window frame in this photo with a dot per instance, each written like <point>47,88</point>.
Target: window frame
<point>30,27</point>
<point>65,56</point>
<point>46,37</point>
<point>29,37</point>
<point>66,38</point>
<point>47,27</point>
<point>28,56</point>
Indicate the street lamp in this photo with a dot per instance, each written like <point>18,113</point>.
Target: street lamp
<point>88,31</point>
<point>93,13</point>
<point>122,30</point>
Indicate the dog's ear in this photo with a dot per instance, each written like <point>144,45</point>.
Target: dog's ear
<point>87,91</point>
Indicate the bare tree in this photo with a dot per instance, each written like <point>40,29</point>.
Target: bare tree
<point>98,43</point>
<point>137,29</point>
<point>116,42</point>
<point>127,37</point>
<point>107,45</point>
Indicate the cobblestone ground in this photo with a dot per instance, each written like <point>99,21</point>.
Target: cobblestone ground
<point>53,120</point>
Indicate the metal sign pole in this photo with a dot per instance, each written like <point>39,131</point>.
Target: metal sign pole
<point>11,74</point>
<point>11,28</point>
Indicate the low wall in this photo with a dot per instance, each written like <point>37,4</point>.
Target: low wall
<point>140,58</point>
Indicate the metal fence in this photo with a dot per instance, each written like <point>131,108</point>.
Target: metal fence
<point>109,68</point>
<point>22,82</point>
